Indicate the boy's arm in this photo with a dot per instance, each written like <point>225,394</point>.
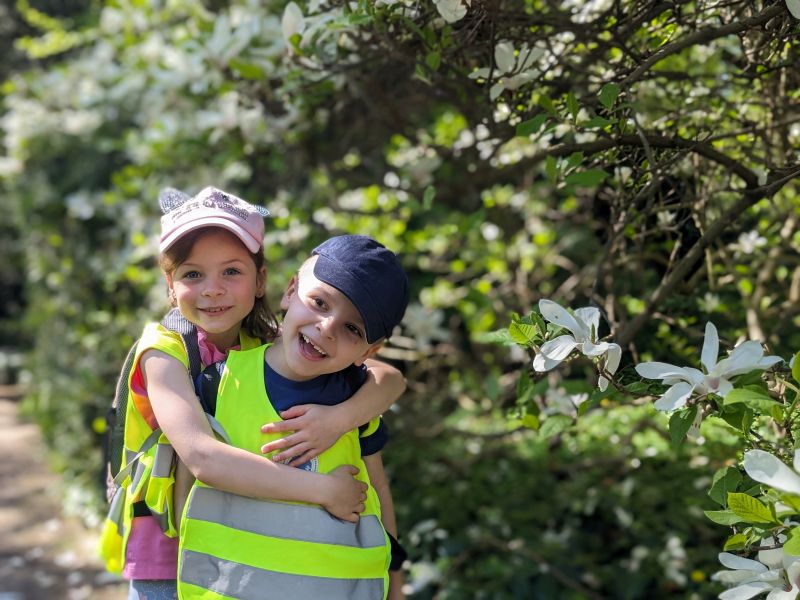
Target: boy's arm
<point>377,477</point>
<point>317,427</point>
<point>233,469</point>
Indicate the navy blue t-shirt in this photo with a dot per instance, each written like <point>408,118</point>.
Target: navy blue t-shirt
<point>284,393</point>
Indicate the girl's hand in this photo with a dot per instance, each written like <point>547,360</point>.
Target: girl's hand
<point>347,494</point>
<point>315,428</point>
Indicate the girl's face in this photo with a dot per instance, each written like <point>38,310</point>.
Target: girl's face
<point>216,286</point>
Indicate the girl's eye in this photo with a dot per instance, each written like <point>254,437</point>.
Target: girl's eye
<point>232,271</point>
<point>191,275</point>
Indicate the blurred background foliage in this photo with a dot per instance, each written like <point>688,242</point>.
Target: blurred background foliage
<point>638,156</point>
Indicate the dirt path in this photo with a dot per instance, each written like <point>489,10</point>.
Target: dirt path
<point>43,555</point>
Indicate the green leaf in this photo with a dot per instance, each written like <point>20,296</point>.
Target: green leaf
<point>596,122</point>
<point>551,169</point>
<point>524,387</point>
<point>792,545</point>
<point>608,95</point>
<point>433,60</point>
<point>796,368</point>
<point>531,126</point>
<point>501,337</point>
<point>247,70</point>
<point>756,400</point>
<point>531,422</point>
<point>572,105</point>
<point>725,480</point>
<point>588,178</point>
<point>522,333</point>
<point>679,423</point>
<point>547,104</point>
<point>750,509</point>
<point>735,542</point>
<point>554,425</point>
<point>723,517</point>
<point>428,196</point>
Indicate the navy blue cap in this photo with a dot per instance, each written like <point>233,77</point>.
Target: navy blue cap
<point>370,275</point>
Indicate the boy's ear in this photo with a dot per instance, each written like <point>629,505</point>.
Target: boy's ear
<point>291,290</point>
<point>368,353</point>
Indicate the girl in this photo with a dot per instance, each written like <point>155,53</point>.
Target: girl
<point>212,258</point>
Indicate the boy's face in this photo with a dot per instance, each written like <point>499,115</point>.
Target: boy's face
<point>322,330</point>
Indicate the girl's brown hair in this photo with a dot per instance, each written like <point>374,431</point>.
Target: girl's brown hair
<point>259,322</point>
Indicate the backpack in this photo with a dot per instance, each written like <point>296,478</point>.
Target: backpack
<point>115,417</point>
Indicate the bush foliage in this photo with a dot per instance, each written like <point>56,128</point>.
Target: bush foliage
<point>640,157</point>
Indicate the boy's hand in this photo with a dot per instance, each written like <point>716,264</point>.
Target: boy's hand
<point>315,430</point>
<point>347,494</point>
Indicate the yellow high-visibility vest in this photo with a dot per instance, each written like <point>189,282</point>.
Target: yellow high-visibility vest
<point>233,546</point>
<point>149,473</point>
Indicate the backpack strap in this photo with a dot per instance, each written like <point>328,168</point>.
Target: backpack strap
<point>175,321</point>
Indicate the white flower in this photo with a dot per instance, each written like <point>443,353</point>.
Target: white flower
<point>750,241</point>
<point>770,470</point>
<point>292,22</point>
<point>752,577</point>
<point>583,327</point>
<point>452,10</point>
<point>685,381</point>
<point>512,69</point>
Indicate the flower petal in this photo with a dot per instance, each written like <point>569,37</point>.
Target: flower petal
<point>732,561</point>
<point>554,313</point>
<point>541,363</point>
<point>768,469</point>
<point>744,358</point>
<point>591,349</point>
<point>292,21</point>
<point>746,591</point>
<point>768,361</point>
<point>504,57</point>
<point>589,316</point>
<point>710,351</point>
<point>613,356</point>
<point>660,370</point>
<point>724,388</point>
<point>675,397</point>
<point>559,348</point>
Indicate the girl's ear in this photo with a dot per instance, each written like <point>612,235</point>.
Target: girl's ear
<point>291,290</point>
<point>261,282</point>
<point>170,291</point>
<point>369,353</point>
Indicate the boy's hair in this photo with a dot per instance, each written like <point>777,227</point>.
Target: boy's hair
<point>371,277</point>
<point>260,322</point>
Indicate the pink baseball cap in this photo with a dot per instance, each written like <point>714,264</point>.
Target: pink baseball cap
<point>211,207</point>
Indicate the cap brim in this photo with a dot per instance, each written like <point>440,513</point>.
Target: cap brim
<point>251,243</point>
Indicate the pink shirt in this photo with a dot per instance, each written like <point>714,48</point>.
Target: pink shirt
<point>150,554</point>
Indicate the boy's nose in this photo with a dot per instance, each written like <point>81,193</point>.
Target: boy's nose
<point>326,326</point>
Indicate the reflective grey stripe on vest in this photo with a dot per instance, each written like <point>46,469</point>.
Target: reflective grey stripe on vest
<point>162,463</point>
<point>281,520</point>
<point>249,583</point>
<point>115,511</point>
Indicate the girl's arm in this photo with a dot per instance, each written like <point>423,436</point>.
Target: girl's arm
<point>317,427</point>
<point>233,469</point>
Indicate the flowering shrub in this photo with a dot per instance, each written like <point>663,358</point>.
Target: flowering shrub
<point>759,495</point>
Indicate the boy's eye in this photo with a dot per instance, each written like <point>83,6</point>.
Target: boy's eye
<point>354,330</point>
<point>318,302</point>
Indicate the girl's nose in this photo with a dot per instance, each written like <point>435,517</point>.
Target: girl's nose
<point>212,289</point>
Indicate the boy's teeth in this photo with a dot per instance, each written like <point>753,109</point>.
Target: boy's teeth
<point>317,348</point>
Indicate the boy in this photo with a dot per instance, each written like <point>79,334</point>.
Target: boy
<point>340,307</point>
